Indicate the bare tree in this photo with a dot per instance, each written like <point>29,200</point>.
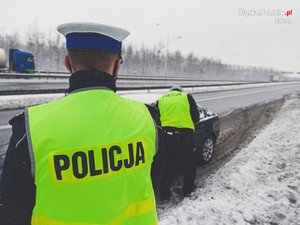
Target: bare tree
<point>49,53</point>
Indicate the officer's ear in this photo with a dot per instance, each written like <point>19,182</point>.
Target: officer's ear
<point>117,67</point>
<point>68,63</point>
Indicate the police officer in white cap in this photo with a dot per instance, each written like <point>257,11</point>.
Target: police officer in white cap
<point>86,158</point>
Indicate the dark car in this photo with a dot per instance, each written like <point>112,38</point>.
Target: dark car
<point>206,134</point>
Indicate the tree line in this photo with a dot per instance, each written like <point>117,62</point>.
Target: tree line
<point>49,51</point>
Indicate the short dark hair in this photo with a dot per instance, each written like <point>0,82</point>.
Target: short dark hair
<point>92,59</point>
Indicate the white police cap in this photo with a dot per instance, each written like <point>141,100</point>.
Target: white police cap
<point>93,36</point>
<point>176,88</point>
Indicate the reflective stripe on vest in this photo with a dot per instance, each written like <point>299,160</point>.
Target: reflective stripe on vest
<point>174,109</point>
<point>92,155</point>
<point>133,210</point>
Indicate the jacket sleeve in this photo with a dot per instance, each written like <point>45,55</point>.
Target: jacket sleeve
<point>193,109</point>
<point>157,165</point>
<point>156,105</point>
<point>17,184</point>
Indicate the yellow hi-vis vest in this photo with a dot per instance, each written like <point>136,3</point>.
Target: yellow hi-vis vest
<point>92,153</point>
<point>174,109</point>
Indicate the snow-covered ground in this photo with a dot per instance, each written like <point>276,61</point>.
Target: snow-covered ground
<point>260,185</point>
<point>21,101</point>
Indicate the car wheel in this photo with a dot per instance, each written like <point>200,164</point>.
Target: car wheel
<point>207,151</point>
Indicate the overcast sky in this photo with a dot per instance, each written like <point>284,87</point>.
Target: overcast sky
<point>209,28</point>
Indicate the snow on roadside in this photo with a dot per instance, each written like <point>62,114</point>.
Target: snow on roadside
<point>147,98</point>
<point>21,101</point>
<point>260,185</point>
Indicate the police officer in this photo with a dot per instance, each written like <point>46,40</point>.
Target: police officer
<point>86,158</point>
<point>178,114</point>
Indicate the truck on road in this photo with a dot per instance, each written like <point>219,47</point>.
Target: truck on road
<point>18,61</point>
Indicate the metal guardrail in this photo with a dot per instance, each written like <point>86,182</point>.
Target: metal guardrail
<point>63,90</point>
<point>157,83</point>
<point>31,76</point>
<point>60,75</point>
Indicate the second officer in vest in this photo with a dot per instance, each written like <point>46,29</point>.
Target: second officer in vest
<point>84,159</point>
<point>178,114</point>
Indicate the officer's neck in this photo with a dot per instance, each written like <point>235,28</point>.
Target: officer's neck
<point>89,79</point>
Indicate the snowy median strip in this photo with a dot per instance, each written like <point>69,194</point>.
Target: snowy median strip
<point>260,185</point>
<point>21,101</point>
<point>4,127</point>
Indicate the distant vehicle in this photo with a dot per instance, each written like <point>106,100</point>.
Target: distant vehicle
<point>3,59</point>
<point>22,62</point>
<point>274,78</point>
<point>207,131</point>
<point>18,61</point>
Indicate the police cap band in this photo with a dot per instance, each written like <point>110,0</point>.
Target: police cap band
<point>93,36</point>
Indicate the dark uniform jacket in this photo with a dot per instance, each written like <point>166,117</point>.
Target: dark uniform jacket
<point>17,186</point>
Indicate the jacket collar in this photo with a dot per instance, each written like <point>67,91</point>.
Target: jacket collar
<point>91,79</point>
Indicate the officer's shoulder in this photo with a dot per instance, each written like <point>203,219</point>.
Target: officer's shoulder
<point>190,96</point>
<point>154,113</point>
<point>19,117</point>
<point>152,108</point>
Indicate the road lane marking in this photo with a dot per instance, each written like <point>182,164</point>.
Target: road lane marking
<point>236,95</point>
<point>4,127</point>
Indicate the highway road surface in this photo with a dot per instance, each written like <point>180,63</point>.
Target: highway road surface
<point>221,102</point>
